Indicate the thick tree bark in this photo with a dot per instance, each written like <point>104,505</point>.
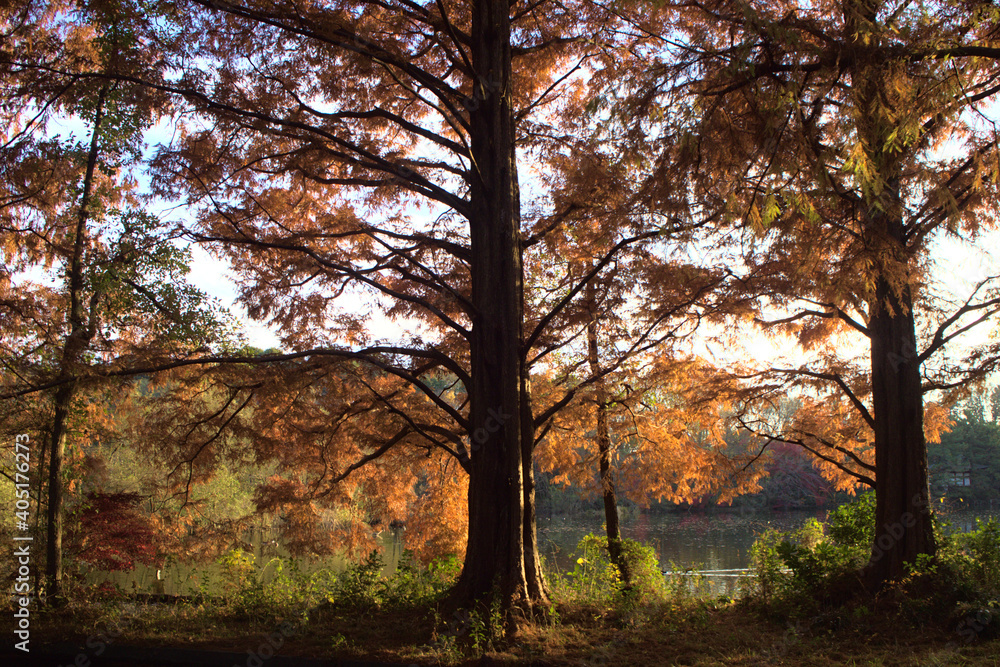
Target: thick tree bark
<point>903,527</point>
<point>495,555</point>
<point>604,446</point>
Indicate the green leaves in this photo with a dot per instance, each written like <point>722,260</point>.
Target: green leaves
<point>141,277</point>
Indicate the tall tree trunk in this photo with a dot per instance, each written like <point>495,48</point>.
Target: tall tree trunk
<point>604,445</point>
<point>495,555</point>
<point>77,340</point>
<point>538,591</point>
<point>903,527</point>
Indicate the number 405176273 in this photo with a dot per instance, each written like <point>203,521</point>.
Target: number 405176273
<point>22,458</point>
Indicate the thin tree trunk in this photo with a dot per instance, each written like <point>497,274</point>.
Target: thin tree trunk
<point>537,589</point>
<point>77,340</point>
<point>40,494</point>
<point>604,446</point>
<point>54,522</point>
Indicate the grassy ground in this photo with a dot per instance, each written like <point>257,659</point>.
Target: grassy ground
<point>682,632</point>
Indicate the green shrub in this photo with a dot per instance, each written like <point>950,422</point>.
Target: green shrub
<point>791,566</point>
<point>978,555</point>
<point>853,524</point>
<point>243,591</point>
<point>360,585</point>
<point>595,578</point>
<point>798,571</point>
<point>412,585</point>
<point>770,572</point>
<point>486,626</point>
<point>281,590</point>
<point>444,571</point>
<point>646,573</point>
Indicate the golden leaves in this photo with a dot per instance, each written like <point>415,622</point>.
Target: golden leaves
<point>937,420</point>
<point>668,433</point>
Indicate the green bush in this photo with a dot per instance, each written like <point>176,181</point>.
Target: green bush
<point>412,585</point>
<point>646,573</point>
<point>281,590</point>
<point>977,554</point>
<point>770,573</point>
<point>595,578</point>
<point>243,590</point>
<point>361,585</point>
<point>790,566</point>
<point>853,524</point>
<point>798,571</point>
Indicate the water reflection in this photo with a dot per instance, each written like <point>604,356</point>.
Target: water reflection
<point>702,540</point>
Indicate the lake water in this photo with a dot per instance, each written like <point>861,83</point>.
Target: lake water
<point>705,540</point>
<point>702,540</point>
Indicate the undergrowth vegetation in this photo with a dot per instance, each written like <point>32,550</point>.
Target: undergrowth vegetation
<point>595,578</point>
<point>814,573</point>
<point>279,589</point>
